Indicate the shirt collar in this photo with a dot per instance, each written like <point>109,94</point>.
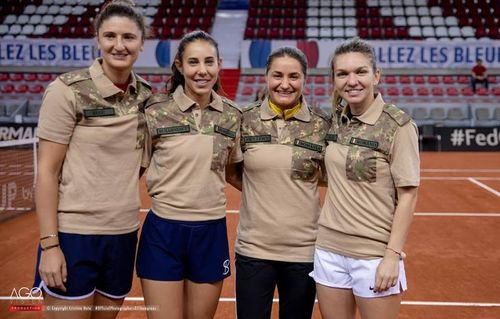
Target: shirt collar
<point>185,102</point>
<point>266,113</point>
<point>103,83</point>
<point>371,115</point>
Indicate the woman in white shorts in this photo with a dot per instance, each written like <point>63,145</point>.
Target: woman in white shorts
<point>372,162</point>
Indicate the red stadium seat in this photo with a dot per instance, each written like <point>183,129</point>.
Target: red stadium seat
<point>320,91</point>
<point>496,91</point>
<point>452,91</point>
<point>437,91</point>
<point>319,79</point>
<point>7,88</point>
<point>482,91</point>
<point>492,79</point>
<point>389,79</point>
<point>404,79</point>
<point>16,77</point>
<point>300,33</point>
<point>433,79</point>
<point>23,88</point>
<point>467,91</point>
<point>247,90</point>
<point>249,79</point>
<point>448,79</point>
<point>155,78</point>
<point>389,33</point>
<point>30,77</point>
<point>44,77</point>
<point>422,91</point>
<point>393,91</point>
<point>407,91</point>
<point>463,79</point>
<point>4,76</point>
<point>249,33</point>
<point>36,89</point>
<point>419,79</point>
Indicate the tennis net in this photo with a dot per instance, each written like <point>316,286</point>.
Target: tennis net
<point>18,160</point>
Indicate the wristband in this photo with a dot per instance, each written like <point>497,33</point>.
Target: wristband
<point>48,236</point>
<point>49,247</point>
<point>394,251</point>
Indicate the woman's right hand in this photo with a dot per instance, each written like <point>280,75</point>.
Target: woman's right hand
<point>52,268</point>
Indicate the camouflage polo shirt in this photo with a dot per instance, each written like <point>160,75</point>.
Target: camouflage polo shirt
<point>104,129</point>
<point>282,162</point>
<point>367,158</point>
<point>190,148</point>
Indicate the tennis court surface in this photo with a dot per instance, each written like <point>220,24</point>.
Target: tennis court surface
<point>453,262</point>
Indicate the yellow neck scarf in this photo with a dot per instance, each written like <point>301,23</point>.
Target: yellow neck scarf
<point>286,114</point>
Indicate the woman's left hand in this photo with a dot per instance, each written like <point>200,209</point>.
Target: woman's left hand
<point>387,272</point>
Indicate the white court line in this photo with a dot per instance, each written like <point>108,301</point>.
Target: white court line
<point>451,214</point>
<point>456,178</point>
<point>486,187</point>
<point>411,303</point>
<point>458,170</point>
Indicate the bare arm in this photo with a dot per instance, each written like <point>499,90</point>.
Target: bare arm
<point>234,175</point>
<point>388,270</point>
<point>52,264</point>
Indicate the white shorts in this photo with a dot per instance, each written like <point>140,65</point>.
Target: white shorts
<point>337,271</point>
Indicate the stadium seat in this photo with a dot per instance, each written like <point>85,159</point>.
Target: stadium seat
<point>437,91</point>
<point>437,113</point>
<point>418,79</point>
<point>407,91</point>
<point>467,91</point>
<point>448,79</point>
<point>389,79</point>
<point>22,88</point>
<point>247,90</point>
<point>423,91</point>
<point>249,79</point>
<point>496,114</point>
<point>452,91</point>
<point>483,114</point>
<point>463,79</point>
<point>37,89</point>
<point>320,92</point>
<point>404,79</point>
<point>393,91</point>
<point>7,88</point>
<point>420,114</point>
<point>456,114</point>
<point>433,79</point>
<point>482,91</point>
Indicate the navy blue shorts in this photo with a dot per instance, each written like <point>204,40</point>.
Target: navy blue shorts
<point>171,250</point>
<point>102,263</point>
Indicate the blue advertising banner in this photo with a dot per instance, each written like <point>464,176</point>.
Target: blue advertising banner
<point>76,52</point>
<point>390,54</point>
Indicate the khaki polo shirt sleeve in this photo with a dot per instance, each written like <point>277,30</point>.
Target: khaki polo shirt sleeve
<point>147,152</point>
<point>236,154</point>
<point>405,161</point>
<point>57,113</point>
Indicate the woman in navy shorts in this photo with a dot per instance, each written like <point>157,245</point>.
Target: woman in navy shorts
<point>92,133</point>
<point>183,253</point>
